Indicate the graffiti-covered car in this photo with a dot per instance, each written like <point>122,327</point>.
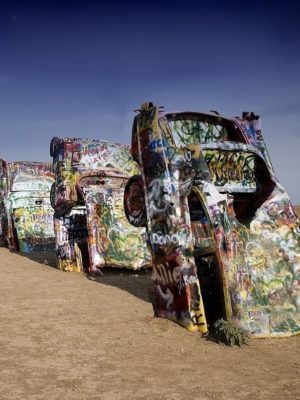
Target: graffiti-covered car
<point>3,194</point>
<point>25,210</point>
<point>90,224</point>
<point>223,234</point>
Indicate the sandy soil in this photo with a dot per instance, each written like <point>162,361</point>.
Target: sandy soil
<point>63,336</point>
<point>298,210</point>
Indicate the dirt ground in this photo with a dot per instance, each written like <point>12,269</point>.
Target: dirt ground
<point>63,336</point>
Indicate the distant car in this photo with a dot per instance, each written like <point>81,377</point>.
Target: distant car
<point>223,233</point>
<point>26,214</point>
<point>91,228</point>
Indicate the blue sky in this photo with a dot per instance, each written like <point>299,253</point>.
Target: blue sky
<point>80,68</point>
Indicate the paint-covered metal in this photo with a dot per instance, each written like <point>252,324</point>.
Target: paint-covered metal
<point>26,214</point>
<point>90,224</point>
<point>223,233</point>
<point>3,195</point>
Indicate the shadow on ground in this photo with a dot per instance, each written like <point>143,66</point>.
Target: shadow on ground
<point>137,283</point>
<point>42,257</point>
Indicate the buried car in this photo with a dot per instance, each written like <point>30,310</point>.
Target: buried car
<point>90,224</point>
<point>223,234</point>
<point>26,214</point>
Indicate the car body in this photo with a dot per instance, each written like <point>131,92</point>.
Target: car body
<point>91,228</point>
<point>26,213</point>
<point>223,233</point>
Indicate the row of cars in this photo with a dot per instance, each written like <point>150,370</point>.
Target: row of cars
<point>195,198</point>
<point>74,206</point>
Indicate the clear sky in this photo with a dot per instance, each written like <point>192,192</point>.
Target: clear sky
<point>80,68</point>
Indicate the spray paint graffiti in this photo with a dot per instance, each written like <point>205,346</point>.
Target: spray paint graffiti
<point>3,195</point>
<point>26,214</point>
<point>224,237</point>
<point>90,225</point>
<point>187,131</point>
<point>231,170</point>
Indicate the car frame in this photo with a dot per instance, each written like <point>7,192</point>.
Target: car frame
<point>26,214</point>
<point>91,228</point>
<point>223,234</point>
